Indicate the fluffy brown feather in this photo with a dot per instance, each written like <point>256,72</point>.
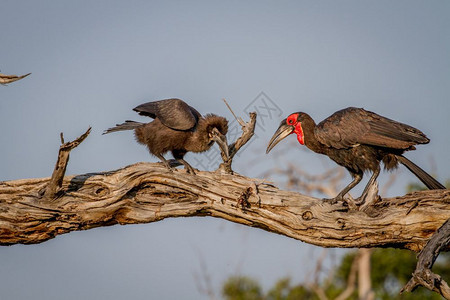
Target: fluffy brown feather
<point>177,128</point>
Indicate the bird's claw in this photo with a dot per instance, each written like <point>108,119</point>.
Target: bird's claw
<point>338,198</point>
<point>330,200</point>
<point>348,202</point>
<point>191,171</point>
<point>360,200</point>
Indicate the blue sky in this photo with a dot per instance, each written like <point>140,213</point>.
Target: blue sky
<point>93,61</point>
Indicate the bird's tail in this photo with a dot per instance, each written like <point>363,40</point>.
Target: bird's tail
<point>128,125</point>
<point>426,178</point>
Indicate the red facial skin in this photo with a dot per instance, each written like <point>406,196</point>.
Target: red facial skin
<point>292,121</point>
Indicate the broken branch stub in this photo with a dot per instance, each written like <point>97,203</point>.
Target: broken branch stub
<point>423,275</point>
<point>5,79</point>
<point>248,130</point>
<point>145,193</point>
<point>56,181</point>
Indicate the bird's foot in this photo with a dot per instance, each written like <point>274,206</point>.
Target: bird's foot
<point>333,200</point>
<point>367,200</point>
<point>360,200</point>
<point>190,170</point>
<point>168,166</point>
<point>173,163</point>
<point>349,202</point>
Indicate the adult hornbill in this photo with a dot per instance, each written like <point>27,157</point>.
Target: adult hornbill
<point>177,127</point>
<point>358,140</point>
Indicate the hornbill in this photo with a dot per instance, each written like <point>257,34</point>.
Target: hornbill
<point>358,140</point>
<point>177,127</point>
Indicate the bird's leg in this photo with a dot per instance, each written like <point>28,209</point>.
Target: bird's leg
<point>178,155</point>
<point>164,161</point>
<point>340,197</point>
<point>369,184</point>
<point>187,166</point>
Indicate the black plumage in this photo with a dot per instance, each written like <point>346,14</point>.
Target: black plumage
<point>358,140</point>
<point>177,127</point>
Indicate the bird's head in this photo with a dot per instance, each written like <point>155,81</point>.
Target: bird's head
<point>217,129</point>
<point>291,124</point>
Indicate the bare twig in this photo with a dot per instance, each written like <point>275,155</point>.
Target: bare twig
<point>326,183</point>
<point>5,79</point>
<point>203,280</point>
<point>319,264</point>
<point>319,292</point>
<point>351,280</point>
<point>239,120</point>
<point>315,285</point>
<point>145,193</point>
<point>248,130</point>
<point>388,184</point>
<point>426,258</point>
<point>56,180</point>
<point>365,291</point>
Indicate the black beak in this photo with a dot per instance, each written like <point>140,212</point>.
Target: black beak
<point>221,140</point>
<point>283,131</point>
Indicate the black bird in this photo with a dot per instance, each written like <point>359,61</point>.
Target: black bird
<point>177,127</point>
<point>358,140</point>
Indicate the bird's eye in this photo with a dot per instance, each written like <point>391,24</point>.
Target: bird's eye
<point>290,121</point>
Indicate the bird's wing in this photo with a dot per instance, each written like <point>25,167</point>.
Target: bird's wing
<point>352,126</point>
<point>174,113</point>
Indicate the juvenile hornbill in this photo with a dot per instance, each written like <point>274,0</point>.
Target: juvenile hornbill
<point>358,140</point>
<point>177,127</point>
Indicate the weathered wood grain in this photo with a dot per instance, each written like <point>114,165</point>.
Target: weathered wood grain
<point>5,79</point>
<point>145,192</point>
<point>422,275</point>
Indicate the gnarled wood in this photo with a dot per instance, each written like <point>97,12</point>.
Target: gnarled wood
<point>144,193</point>
<point>57,178</point>
<point>248,129</point>
<point>426,258</point>
<point>5,79</point>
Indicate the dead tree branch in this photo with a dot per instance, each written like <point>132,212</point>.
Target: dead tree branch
<point>315,285</point>
<point>351,280</point>
<point>426,258</point>
<point>56,180</point>
<point>248,130</point>
<point>5,79</point>
<point>144,193</point>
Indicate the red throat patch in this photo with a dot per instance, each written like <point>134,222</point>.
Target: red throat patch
<point>299,131</point>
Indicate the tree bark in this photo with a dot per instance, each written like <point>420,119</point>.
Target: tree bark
<point>426,258</point>
<point>145,192</point>
<point>57,178</point>
<point>5,79</point>
<point>364,279</point>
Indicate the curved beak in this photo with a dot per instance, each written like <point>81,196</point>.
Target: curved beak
<point>283,131</point>
<point>221,140</point>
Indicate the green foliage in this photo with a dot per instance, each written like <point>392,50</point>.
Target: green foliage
<point>242,288</point>
<point>283,290</point>
<point>391,269</point>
